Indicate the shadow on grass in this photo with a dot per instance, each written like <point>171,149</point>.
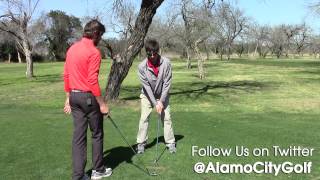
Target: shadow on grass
<point>247,86</point>
<point>4,84</point>
<point>294,63</point>
<point>201,88</point>
<point>50,78</point>
<point>310,72</point>
<point>14,80</point>
<point>115,156</point>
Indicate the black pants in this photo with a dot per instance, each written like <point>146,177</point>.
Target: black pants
<point>85,110</point>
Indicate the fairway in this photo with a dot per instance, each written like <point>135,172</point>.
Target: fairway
<point>251,103</point>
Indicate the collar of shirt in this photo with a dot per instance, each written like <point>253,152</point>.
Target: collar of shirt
<point>154,67</point>
<point>87,41</point>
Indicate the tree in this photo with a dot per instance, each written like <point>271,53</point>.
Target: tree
<point>239,48</point>
<point>203,30</point>
<point>121,65</point>
<point>290,31</point>
<point>301,38</point>
<point>230,22</point>
<point>193,27</point>
<point>278,41</point>
<point>261,37</point>
<point>188,22</point>
<point>19,13</point>
<point>60,30</point>
<point>314,46</point>
<point>161,29</point>
<point>7,47</point>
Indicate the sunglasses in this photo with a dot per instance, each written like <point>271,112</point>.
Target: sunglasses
<point>151,53</point>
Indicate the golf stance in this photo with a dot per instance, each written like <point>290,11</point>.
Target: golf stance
<point>84,101</point>
<point>155,76</point>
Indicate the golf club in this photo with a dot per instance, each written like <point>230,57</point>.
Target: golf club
<point>158,158</point>
<point>126,141</point>
<point>155,162</point>
<point>158,129</point>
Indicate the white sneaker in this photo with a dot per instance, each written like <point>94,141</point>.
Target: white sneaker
<point>172,147</point>
<point>99,175</point>
<point>140,148</point>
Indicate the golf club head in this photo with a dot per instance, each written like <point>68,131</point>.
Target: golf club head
<point>155,162</point>
<point>153,174</point>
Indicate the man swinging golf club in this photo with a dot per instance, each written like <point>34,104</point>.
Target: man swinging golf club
<point>155,76</point>
<point>84,101</point>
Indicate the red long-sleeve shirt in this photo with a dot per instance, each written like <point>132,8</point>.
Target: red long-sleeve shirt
<point>82,66</point>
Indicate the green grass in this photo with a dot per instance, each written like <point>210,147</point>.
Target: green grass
<point>251,103</point>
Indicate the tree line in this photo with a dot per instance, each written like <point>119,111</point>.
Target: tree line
<point>225,30</point>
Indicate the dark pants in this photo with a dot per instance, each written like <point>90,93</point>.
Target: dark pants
<point>85,110</point>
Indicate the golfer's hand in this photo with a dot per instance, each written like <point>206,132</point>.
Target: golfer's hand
<point>104,108</point>
<point>67,108</point>
<point>159,107</point>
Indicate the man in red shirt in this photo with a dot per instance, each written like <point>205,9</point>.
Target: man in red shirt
<point>84,101</point>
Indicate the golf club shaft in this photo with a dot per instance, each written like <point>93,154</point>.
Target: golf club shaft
<point>158,158</point>
<point>126,141</point>
<point>121,134</point>
<point>158,132</point>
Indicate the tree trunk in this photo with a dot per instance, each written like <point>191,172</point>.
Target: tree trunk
<point>229,52</point>
<point>27,53</point>
<point>9,58</point>
<point>201,59</point>
<point>221,53</point>
<point>19,56</point>
<point>255,50</point>
<point>29,72</point>
<point>120,67</point>
<point>207,51</point>
<point>189,66</point>
<point>187,34</point>
<point>201,68</point>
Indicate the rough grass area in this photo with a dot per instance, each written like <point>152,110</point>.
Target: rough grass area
<point>250,103</point>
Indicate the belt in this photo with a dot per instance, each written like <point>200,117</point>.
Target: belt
<point>79,91</point>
